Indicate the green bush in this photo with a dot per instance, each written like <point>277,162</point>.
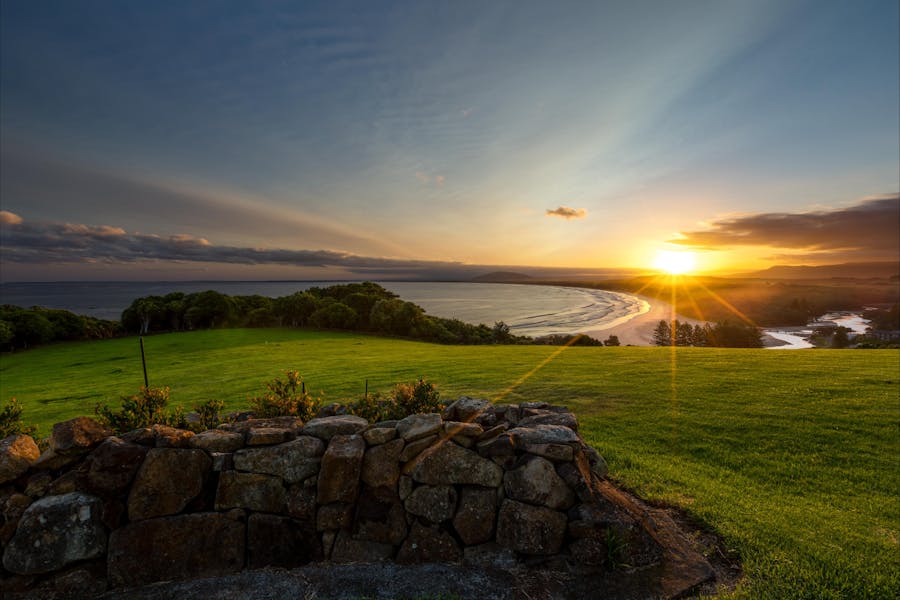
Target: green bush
<point>141,410</point>
<point>208,414</point>
<point>405,399</point>
<point>285,397</point>
<point>373,408</point>
<point>11,422</point>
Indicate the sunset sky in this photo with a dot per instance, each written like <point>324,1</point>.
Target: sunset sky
<point>209,140</point>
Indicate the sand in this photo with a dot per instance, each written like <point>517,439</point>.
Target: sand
<point>638,331</point>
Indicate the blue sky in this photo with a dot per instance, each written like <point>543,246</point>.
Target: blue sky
<point>440,131</point>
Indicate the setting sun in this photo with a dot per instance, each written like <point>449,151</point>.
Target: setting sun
<point>675,263</point>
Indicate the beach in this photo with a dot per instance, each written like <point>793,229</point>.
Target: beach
<point>638,330</point>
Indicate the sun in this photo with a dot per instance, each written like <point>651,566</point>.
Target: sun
<point>675,263</point>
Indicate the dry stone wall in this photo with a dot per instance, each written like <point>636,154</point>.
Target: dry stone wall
<point>480,483</point>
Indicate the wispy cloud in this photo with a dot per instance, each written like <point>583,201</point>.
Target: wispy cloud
<point>868,229</point>
<point>66,243</point>
<point>567,212</point>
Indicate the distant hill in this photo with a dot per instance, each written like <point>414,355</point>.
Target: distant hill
<point>501,277</point>
<point>867,270</point>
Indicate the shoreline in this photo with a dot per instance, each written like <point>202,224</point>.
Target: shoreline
<point>638,330</point>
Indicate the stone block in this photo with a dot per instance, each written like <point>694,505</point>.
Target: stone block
<point>449,464</point>
<point>530,529</point>
<point>293,461</point>
<point>251,491</point>
<point>277,541</point>
<point>218,440</point>
<point>17,453</point>
<point>174,548</point>
<point>167,481</point>
<point>341,467</point>
<point>55,531</point>
<point>381,464</point>
<point>434,503</point>
<point>476,515</point>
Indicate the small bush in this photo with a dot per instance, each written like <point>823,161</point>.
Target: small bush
<point>286,397</point>
<point>11,422</point>
<point>418,397</point>
<point>141,410</point>
<point>208,414</point>
<point>373,408</point>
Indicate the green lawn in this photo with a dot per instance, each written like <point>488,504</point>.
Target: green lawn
<point>793,457</point>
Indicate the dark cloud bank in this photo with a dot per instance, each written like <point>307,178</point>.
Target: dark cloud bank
<point>868,230</point>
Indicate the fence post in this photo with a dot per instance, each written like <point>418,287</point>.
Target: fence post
<point>144,363</point>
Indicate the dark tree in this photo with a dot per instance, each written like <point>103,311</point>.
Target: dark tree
<point>662,335</point>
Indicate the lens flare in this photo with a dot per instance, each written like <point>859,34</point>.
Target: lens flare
<point>675,263</point>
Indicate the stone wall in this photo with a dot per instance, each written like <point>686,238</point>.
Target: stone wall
<point>480,483</point>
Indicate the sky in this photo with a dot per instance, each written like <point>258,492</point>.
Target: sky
<point>288,140</point>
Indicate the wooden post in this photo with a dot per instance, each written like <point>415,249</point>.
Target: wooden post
<point>144,363</point>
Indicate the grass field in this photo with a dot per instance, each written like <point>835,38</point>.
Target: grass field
<point>793,457</point>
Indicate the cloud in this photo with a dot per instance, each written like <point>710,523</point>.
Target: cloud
<point>8,218</point>
<point>868,229</point>
<point>27,242</point>
<point>567,213</point>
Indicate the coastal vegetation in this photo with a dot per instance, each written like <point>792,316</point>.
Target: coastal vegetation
<point>798,472</point>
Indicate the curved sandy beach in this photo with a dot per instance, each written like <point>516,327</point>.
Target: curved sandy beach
<point>638,330</point>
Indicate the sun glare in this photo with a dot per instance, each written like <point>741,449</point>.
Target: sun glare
<point>675,263</point>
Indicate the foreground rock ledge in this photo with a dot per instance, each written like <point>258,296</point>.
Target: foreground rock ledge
<point>482,501</point>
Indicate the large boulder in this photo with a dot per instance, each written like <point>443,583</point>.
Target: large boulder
<point>111,467</point>
<point>77,436</point>
<point>293,461</point>
<point>55,531</point>
<point>536,482</point>
<point>17,453</point>
<point>167,481</point>
<point>341,467</point>
<point>327,427</point>
<point>450,464</point>
<point>530,529</point>
<point>252,491</point>
<point>180,547</point>
<point>381,466</point>
<point>474,520</point>
<point>276,541</point>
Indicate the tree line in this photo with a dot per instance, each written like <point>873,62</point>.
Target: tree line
<point>725,334</point>
<point>22,328</point>
<point>363,306</point>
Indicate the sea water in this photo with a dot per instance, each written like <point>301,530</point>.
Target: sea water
<point>532,310</point>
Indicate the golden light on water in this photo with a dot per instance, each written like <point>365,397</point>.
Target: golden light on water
<point>675,263</point>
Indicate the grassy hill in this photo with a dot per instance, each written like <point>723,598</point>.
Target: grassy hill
<point>793,457</point>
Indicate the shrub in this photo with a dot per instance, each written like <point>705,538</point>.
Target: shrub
<point>405,399</point>
<point>11,422</point>
<point>286,397</point>
<point>208,414</point>
<point>140,410</point>
<point>417,397</point>
<point>373,408</point>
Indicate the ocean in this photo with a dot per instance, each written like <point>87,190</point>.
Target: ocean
<point>532,310</point>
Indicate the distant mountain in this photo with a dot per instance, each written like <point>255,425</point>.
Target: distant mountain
<point>867,270</point>
<point>500,277</point>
